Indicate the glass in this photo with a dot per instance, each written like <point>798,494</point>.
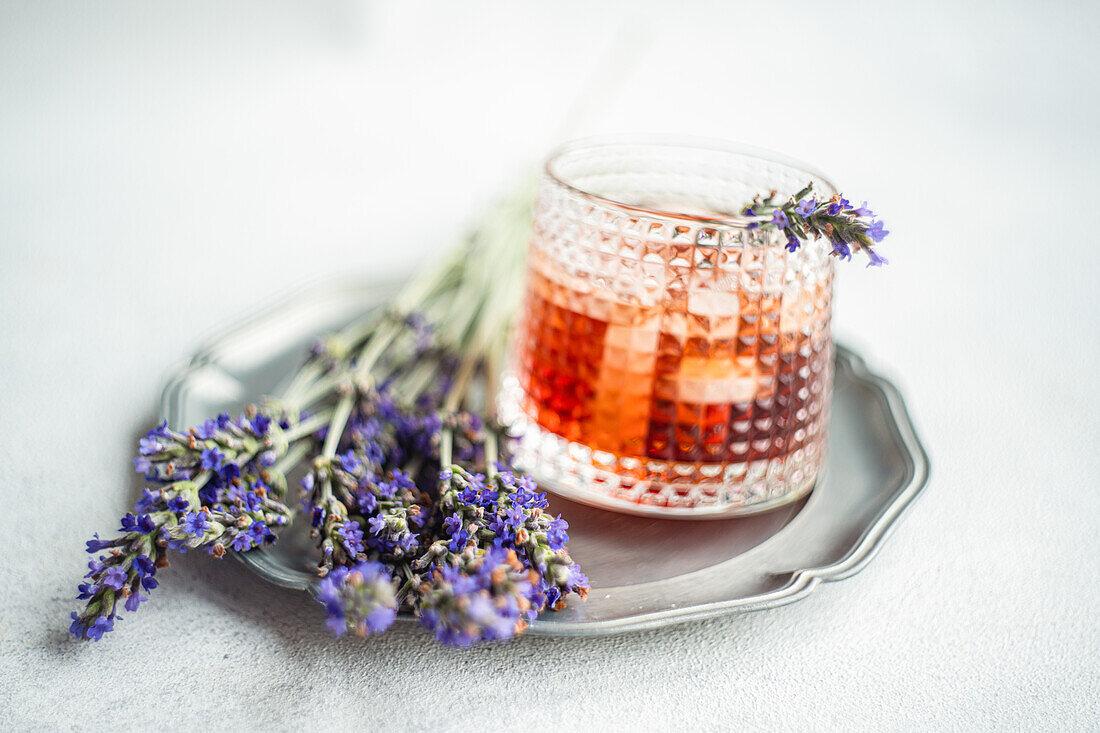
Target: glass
<point>669,358</point>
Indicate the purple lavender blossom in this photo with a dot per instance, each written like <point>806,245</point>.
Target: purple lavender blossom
<point>96,545</point>
<point>876,260</point>
<point>207,430</point>
<point>148,500</point>
<point>349,462</point>
<point>145,566</point>
<point>195,523</point>
<point>260,424</point>
<point>514,516</point>
<point>228,472</point>
<point>211,459</point>
<point>352,537</point>
<point>839,206</point>
<point>452,524</point>
<point>260,532</point>
<point>387,489</point>
<point>143,524</point>
<point>115,577</point>
<point>243,542</point>
<point>459,540</point>
<point>359,599</point>
<point>556,536</point>
<point>148,446</point>
<point>509,514</point>
<point>487,596</point>
<point>251,501</point>
<point>877,231</point>
<point>168,516</point>
<point>134,601</point>
<point>366,501</point>
<point>377,524</point>
<point>101,626</point>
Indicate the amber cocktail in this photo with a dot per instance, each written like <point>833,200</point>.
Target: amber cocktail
<point>670,357</point>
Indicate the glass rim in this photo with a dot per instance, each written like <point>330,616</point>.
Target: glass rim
<point>732,221</point>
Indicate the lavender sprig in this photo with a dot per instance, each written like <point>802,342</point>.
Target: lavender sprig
<point>216,487</point>
<point>848,228</point>
<point>507,511</point>
<point>485,595</point>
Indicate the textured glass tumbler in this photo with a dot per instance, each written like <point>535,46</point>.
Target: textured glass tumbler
<point>669,358</point>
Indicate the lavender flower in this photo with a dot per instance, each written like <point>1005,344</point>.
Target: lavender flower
<point>195,524</point>
<point>801,217</point>
<point>359,599</point>
<point>243,542</point>
<point>211,459</point>
<point>506,512</point>
<point>352,538</point>
<point>198,501</point>
<point>93,630</point>
<point>147,446</point>
<point>841,250</point>
<point>113,577</point>
<point>863,211</point>
<point>805,207</point>
<point>877,231</point>
<point>838,205</point>
<point>134,601</point>
<point>877,260</point>
<point>487,595</point>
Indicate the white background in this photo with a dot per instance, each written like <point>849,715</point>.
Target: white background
<point>165,168</point>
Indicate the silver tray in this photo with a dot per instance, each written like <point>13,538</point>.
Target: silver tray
<point>645,572</point>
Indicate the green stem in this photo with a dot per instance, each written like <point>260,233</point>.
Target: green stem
<point>490,453</point>
<point>457,392</point>
<point>337,424</point>
<point>292,457</point>
<point>377,345</point>
<point>374,350</point>
<point>305,377</point>
<point>310,425</point>
<point>412,384</point>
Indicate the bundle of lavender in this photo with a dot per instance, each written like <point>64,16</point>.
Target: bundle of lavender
<point>411,500</point>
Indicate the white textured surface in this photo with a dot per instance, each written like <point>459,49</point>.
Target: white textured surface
<point>164,168</point>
